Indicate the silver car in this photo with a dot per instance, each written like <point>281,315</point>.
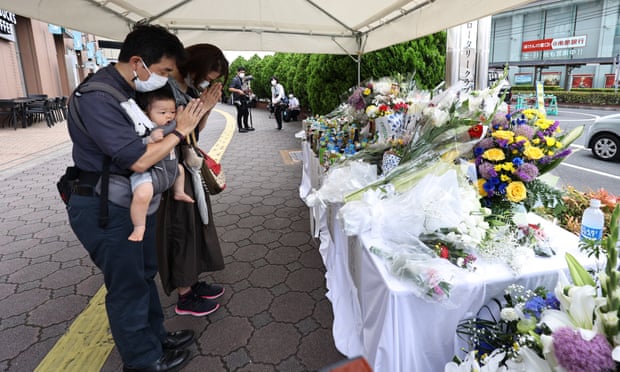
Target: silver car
<point>604,137</point>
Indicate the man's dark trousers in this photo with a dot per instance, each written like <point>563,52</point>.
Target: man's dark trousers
<point>129,269</point>
<point>242,115</point>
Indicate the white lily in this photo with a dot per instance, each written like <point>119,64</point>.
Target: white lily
<point>528,361</point>
<point>616,353</point>
<point>549,353</point>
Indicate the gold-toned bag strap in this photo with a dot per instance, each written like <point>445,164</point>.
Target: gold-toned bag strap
<point>191,138</point>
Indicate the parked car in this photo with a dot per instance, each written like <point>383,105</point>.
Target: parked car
<point>604,137</point>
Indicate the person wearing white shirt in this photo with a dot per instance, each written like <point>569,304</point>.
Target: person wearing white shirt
<point>278,100</point>
<point>293,108</point>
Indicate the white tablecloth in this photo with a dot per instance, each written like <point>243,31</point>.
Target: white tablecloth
<point>378,315</point>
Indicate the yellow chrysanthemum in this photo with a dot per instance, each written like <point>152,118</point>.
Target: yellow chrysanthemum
<point>532,113</point>
<point>522,138</point>
<point>558,144</point>
<point>481,191</point>
<point>366,91</point>
<point>536,141</point>
<point>550,141</point>
<point>516,191</point>
<point>550,153</point>
<point>507,167</point>
<point>543,123</point>
<point>505,178</point>
<point>504,135</point>
<point>533,153</point>
<point>494,155</point>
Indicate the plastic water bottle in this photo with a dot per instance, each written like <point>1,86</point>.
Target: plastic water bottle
<point>592,222</point>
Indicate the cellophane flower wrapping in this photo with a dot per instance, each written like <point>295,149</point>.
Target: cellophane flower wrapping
<point>414,262</point>
<point>342,180</point>
<point>441,198</point>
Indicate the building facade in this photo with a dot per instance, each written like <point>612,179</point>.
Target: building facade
<point>39,58</point>
<point>565,43</point>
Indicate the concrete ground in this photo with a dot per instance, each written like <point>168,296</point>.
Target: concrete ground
<point>274,315</point>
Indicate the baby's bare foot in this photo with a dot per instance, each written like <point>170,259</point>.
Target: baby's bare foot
<point>183,197</point>
<point>137,234</point>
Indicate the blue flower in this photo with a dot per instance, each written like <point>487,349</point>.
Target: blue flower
<point>518,161</point>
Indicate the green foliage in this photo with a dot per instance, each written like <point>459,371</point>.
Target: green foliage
<point>320,80</point>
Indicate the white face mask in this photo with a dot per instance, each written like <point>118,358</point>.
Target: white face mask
<point>273,82</point>
<point>204,85</point>
<point>242,75</point>
<point>154,81</point>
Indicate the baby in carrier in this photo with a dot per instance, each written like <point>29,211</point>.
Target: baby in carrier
<point>160,107</point>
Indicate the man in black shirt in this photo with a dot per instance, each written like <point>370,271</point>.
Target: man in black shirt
<point>240,94</point>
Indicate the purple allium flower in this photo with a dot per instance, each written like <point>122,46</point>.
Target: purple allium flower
<point>487,170</point>
<point>527,172</point>
<point>500,121</point>
<point>524,130</point>
<point>485,143</point>
<point>576,354</point>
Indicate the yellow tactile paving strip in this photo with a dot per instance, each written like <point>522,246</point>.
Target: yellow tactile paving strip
<point>219,147</point>
<point>88,342</point>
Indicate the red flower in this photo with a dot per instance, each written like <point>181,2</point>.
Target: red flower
<point>475,131</point>
<point>444,252</point>
<point>383,108</point>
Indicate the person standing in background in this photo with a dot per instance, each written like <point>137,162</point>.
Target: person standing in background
<point>186,246</point>
<point>240,93</point>
<point>278,100</point>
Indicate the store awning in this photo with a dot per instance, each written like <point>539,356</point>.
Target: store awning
<point>302,26</point>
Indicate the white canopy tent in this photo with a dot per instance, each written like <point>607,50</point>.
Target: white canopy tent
<point>302,26</point>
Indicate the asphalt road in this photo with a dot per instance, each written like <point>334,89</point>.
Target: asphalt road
<point>581,169</point>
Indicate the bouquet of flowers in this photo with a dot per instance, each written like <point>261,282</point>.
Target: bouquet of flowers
<point>516,150</point>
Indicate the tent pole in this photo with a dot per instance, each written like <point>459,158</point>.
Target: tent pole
<point>357,60</point>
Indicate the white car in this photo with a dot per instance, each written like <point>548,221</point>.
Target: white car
<point>604,137</point>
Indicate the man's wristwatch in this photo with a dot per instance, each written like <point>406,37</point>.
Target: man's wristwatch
<point>180,136</point>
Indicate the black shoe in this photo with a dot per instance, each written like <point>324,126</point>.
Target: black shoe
<point>190,304</point>
<point>172,360</point>
<point>249,129</point>
<point>178,339</point>
<point>208,291</point>
<point>243,130</point>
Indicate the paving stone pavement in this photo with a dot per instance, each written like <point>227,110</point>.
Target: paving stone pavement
<point>274,315</point>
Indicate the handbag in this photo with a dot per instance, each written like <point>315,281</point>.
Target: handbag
<point>211,171</point>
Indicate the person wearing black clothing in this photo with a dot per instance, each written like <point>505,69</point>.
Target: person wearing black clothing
<point>240,98</point>
<point>148,55</point>
<point>187,247</point>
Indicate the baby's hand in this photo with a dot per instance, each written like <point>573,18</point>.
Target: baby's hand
<point>157,134</point>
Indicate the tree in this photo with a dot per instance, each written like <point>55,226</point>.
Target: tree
<point>322,81</point>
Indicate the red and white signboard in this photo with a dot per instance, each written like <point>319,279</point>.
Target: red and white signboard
<point>550,44</point>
